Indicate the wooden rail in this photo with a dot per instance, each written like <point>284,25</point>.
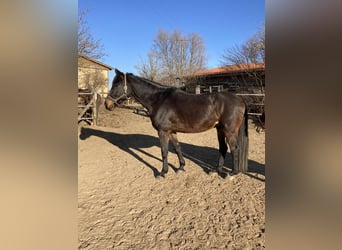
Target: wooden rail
<point>88,112</point>
<point>261,105</point>
<point>251,94</point>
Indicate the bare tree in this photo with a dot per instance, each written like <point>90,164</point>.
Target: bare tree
<point>94,80</point>
<point>87,44</point>
<point>252,51</point>
<point>173,56</point>
<point>249,57</point>
<point>149,69</point>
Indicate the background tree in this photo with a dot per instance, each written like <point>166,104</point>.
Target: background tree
<point>151,68</point>
<point>246,56</point>
<point>173,56</point>
<point>92,78</point>
<point>252,51</point>
<point>87,44</point>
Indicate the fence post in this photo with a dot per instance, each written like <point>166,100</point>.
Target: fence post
<point>198,89</point>
<point>96,111</point>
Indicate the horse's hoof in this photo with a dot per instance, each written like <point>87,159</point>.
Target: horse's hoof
<point>212,173</point>
<point>180,170</point>
<point>222,174</point>
<point>160,176</point>
<point>229,177</point>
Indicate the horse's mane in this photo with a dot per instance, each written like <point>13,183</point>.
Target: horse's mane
<point>156,84</point>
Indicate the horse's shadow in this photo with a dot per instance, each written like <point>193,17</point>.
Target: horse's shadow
<point>205,157</point>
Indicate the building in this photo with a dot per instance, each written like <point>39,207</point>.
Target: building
<point>243,78</point>
<point>92,74</point>
<point>247,80</point>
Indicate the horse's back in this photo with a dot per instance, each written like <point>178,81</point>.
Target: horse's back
<point>222,102</point>
<point>230,98</point>
<point>185,112</point>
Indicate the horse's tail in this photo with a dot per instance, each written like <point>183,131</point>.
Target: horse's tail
<point>242,144</point>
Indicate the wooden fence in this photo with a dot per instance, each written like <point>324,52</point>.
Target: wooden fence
<point>256,103</point>
<point>88,107</point>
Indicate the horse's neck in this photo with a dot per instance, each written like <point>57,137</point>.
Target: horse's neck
<point>145,92</point>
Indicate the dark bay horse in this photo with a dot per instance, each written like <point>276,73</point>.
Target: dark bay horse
<point>172,110</point>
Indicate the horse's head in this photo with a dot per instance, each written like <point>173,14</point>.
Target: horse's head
<point>118,92</point>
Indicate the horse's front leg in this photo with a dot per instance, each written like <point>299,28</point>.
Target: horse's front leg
<point>164,145</point>
<point>176,145</point>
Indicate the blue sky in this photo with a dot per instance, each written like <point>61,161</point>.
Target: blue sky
<point>127,28</point>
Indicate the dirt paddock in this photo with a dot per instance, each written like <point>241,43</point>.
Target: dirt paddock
<point>121,205</point>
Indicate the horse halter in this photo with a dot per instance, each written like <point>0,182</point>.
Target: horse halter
<point>124,92</point>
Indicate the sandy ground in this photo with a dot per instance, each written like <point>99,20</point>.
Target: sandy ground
<point>121,205</point>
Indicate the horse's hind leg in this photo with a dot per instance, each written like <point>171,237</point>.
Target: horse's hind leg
<point>222,148</point>
<point>176,145</point>
<point>232,132</point>
<point>232,141</point>
<point>230,137</point>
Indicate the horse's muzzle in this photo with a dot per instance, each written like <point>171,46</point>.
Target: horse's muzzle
<point>109,104</point>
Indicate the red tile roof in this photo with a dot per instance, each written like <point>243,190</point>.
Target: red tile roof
<point>231,69</point>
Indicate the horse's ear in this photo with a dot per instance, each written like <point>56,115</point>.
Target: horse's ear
<point>118,72</point>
